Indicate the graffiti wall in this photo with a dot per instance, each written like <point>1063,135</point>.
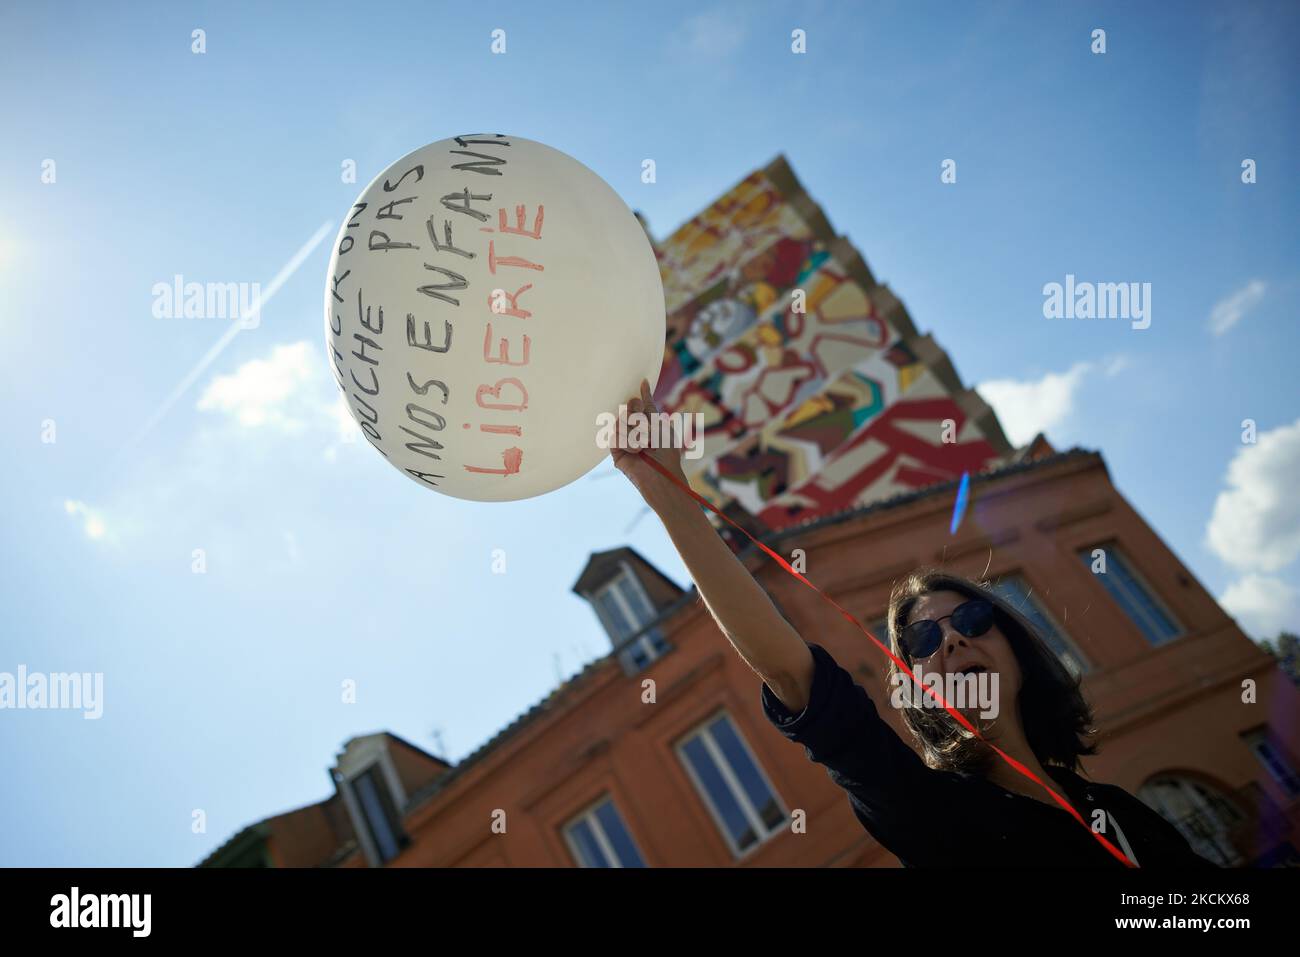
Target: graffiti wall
<point>813,401</point>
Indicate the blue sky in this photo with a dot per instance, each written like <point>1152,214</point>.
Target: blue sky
<point>222,689</point>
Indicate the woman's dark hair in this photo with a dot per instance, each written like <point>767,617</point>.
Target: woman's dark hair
<point>1056,718</point>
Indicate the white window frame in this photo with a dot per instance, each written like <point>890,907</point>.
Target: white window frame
<point>1113,550</point>
<point>732,782</point>
<point>356,761</point>
<point>611,586</point>
<point>598,830</point>
<point>1085,665</point>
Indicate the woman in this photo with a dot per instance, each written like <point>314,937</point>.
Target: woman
<point>956,803</point>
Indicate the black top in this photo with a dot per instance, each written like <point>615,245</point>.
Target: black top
<point>931,818</point>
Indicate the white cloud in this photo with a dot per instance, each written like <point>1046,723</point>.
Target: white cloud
<point>1255,525</point>
<point>1038,405</point>
<point>257,480</point>
<point>1026,408</point>
<point>1263,605</point>
<point>1116,364</point>
<point>1231,310</point>
<point>348,430</point>
<point>277,391</point>
<point>713,35</point>
<point>92,522</point>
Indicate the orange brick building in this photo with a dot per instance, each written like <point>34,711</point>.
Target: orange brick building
<point>658,754</point>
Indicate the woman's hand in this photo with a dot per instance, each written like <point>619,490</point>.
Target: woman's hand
<point>654,488</point>
<point>743,610</point>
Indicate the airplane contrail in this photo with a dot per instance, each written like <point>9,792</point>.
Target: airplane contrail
<point>286,271</point>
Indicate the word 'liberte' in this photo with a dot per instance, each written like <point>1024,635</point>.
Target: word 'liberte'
<point>446,285</point>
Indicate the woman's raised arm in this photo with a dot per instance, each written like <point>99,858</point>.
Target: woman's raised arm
<point>743,611</point>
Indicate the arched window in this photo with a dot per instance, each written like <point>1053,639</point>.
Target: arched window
<point>1202,813</point>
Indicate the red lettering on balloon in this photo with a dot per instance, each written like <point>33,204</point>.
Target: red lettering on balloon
<point>495,392</point>
<point>519,261</point>
<point>519,230</point>
<point>503,350</point>
<point>511,458</point>
<point>514,309</point>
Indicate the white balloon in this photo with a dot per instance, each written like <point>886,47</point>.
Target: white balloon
<point>488,298</point>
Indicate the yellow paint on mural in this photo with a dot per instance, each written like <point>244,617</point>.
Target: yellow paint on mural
<point>847,301</point>
<point>817,287</point>
<point>756,202</point>
<point>909,374</point>
<point>762,295</point>
<point>698,244</point>
<point>809,409</point>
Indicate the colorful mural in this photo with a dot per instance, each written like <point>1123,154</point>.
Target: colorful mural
<point>812,401</point>
<point>748,218</point>
<point>898,450</point>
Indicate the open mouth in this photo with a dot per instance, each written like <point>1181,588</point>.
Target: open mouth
<point>972,670</point>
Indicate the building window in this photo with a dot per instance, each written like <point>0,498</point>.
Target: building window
<point>598,838</point>
<point>1272,757</point>
<point>1017,593</point>
<point>733,786</point>
<point>1201,813</point>
<point>625,610</point>
<point>381,818</point>
<point>1129,592</point>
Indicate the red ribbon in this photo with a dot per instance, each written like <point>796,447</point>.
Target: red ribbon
<point>1016,765</point>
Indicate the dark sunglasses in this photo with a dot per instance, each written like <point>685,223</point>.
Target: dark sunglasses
<point>921,639</point>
